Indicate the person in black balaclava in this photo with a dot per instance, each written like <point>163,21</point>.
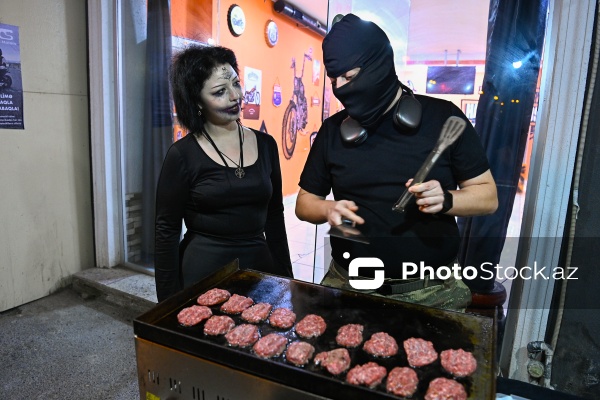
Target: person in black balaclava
<point>397,132</point>
<point>355,43</point>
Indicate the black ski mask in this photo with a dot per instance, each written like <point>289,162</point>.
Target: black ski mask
<point>353,43</point>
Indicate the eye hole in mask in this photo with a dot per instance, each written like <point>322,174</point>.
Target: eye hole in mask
<point>407,115</point>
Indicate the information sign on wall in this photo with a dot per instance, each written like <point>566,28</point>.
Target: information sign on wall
<point>11,85</point>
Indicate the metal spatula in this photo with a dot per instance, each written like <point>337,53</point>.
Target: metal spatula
<point>452,129</point>
<point>346,231</point>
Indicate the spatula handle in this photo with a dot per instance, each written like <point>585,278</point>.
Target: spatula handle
<point>419,177</point>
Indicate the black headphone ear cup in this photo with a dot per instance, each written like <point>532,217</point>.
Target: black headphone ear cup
<point>352,132</point>
<point>407,114</point>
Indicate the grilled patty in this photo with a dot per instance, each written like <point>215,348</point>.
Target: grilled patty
<point>311,326</point>
<point>193,315</point>
<point>213,297</point>
<point>299,353</point>
<point>282,318</point>
<point>402,381</point>
<point>381,345</point>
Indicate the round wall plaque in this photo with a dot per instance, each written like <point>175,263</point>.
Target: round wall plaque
<point>236,20</point>
<point>272,33</point>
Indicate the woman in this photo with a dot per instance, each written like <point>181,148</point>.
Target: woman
<point>222,179</point>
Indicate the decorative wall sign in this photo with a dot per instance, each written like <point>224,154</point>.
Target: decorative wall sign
<point>315,100</point>
<point>272,33</point>
<point>316,71</point>
<point>263,127</point>
<point>326,99</point>
<point>236,20</point>
<point>277,93</point>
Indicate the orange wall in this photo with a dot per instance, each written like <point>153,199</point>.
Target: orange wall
<point>253,51</point>
<point>192,19</point>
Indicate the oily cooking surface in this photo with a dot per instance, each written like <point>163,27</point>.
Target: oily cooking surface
<point>446,330</point>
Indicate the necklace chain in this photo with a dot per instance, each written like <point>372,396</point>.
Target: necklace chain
<point>239,171</point>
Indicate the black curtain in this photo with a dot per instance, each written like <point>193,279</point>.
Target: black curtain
<point>158,128</point>
<point>515,34</point>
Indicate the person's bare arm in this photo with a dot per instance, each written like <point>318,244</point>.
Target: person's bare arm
<point>477,196</point>
<point>318,210</point>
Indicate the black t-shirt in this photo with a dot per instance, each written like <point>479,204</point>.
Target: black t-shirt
<point>373,175</point>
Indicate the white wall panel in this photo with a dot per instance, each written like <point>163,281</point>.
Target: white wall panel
<point>46,231</point>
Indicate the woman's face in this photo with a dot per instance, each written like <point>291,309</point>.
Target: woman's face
<point>221,96</point>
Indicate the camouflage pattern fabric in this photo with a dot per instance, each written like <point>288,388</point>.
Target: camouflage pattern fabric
<point>452,295</point>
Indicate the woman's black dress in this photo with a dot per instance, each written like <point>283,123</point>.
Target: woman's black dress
<point>226,217</point>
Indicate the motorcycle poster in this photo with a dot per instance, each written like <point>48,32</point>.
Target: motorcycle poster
<point>252,89</point>
<point>11,86</point>
<point>295,117</point>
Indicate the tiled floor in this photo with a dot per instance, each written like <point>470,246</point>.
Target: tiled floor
<point>309,243</point>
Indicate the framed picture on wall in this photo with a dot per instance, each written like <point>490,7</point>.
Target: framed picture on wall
<point>271,33</point>
<point>469,107</point>
<point>252,90</point>
<point>236,20</point>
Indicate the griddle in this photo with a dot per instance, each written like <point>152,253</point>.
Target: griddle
<point>445,329</point>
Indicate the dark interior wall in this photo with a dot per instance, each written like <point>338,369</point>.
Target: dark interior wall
<point>576,363</point>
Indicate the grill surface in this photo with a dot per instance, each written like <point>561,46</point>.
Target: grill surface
<point>445,329</point>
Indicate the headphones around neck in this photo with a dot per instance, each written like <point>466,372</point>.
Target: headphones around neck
<point>407,115</point>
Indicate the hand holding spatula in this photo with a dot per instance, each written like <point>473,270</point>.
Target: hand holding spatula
<point>452,129</point>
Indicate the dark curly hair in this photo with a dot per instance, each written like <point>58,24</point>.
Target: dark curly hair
<point>190,70</point>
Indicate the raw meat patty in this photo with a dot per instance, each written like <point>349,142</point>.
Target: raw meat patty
<point>257,313</point>
<point>445,389</point>
<point>213,297</point>
<point>218,325</point>
<point>311,326</point>
<point>271,345</point>
<point>419,352</point>
<point>193,315</point>
<point>335,361</point>
<point>381,345</point>
<point>299,353</point>
<point>458,362</point>
<point>402,381</point>
<point>350,335</point>
<point>236,304</point>
<point>370,374</point>
<point>282,318</point>
<point>242,335</point>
